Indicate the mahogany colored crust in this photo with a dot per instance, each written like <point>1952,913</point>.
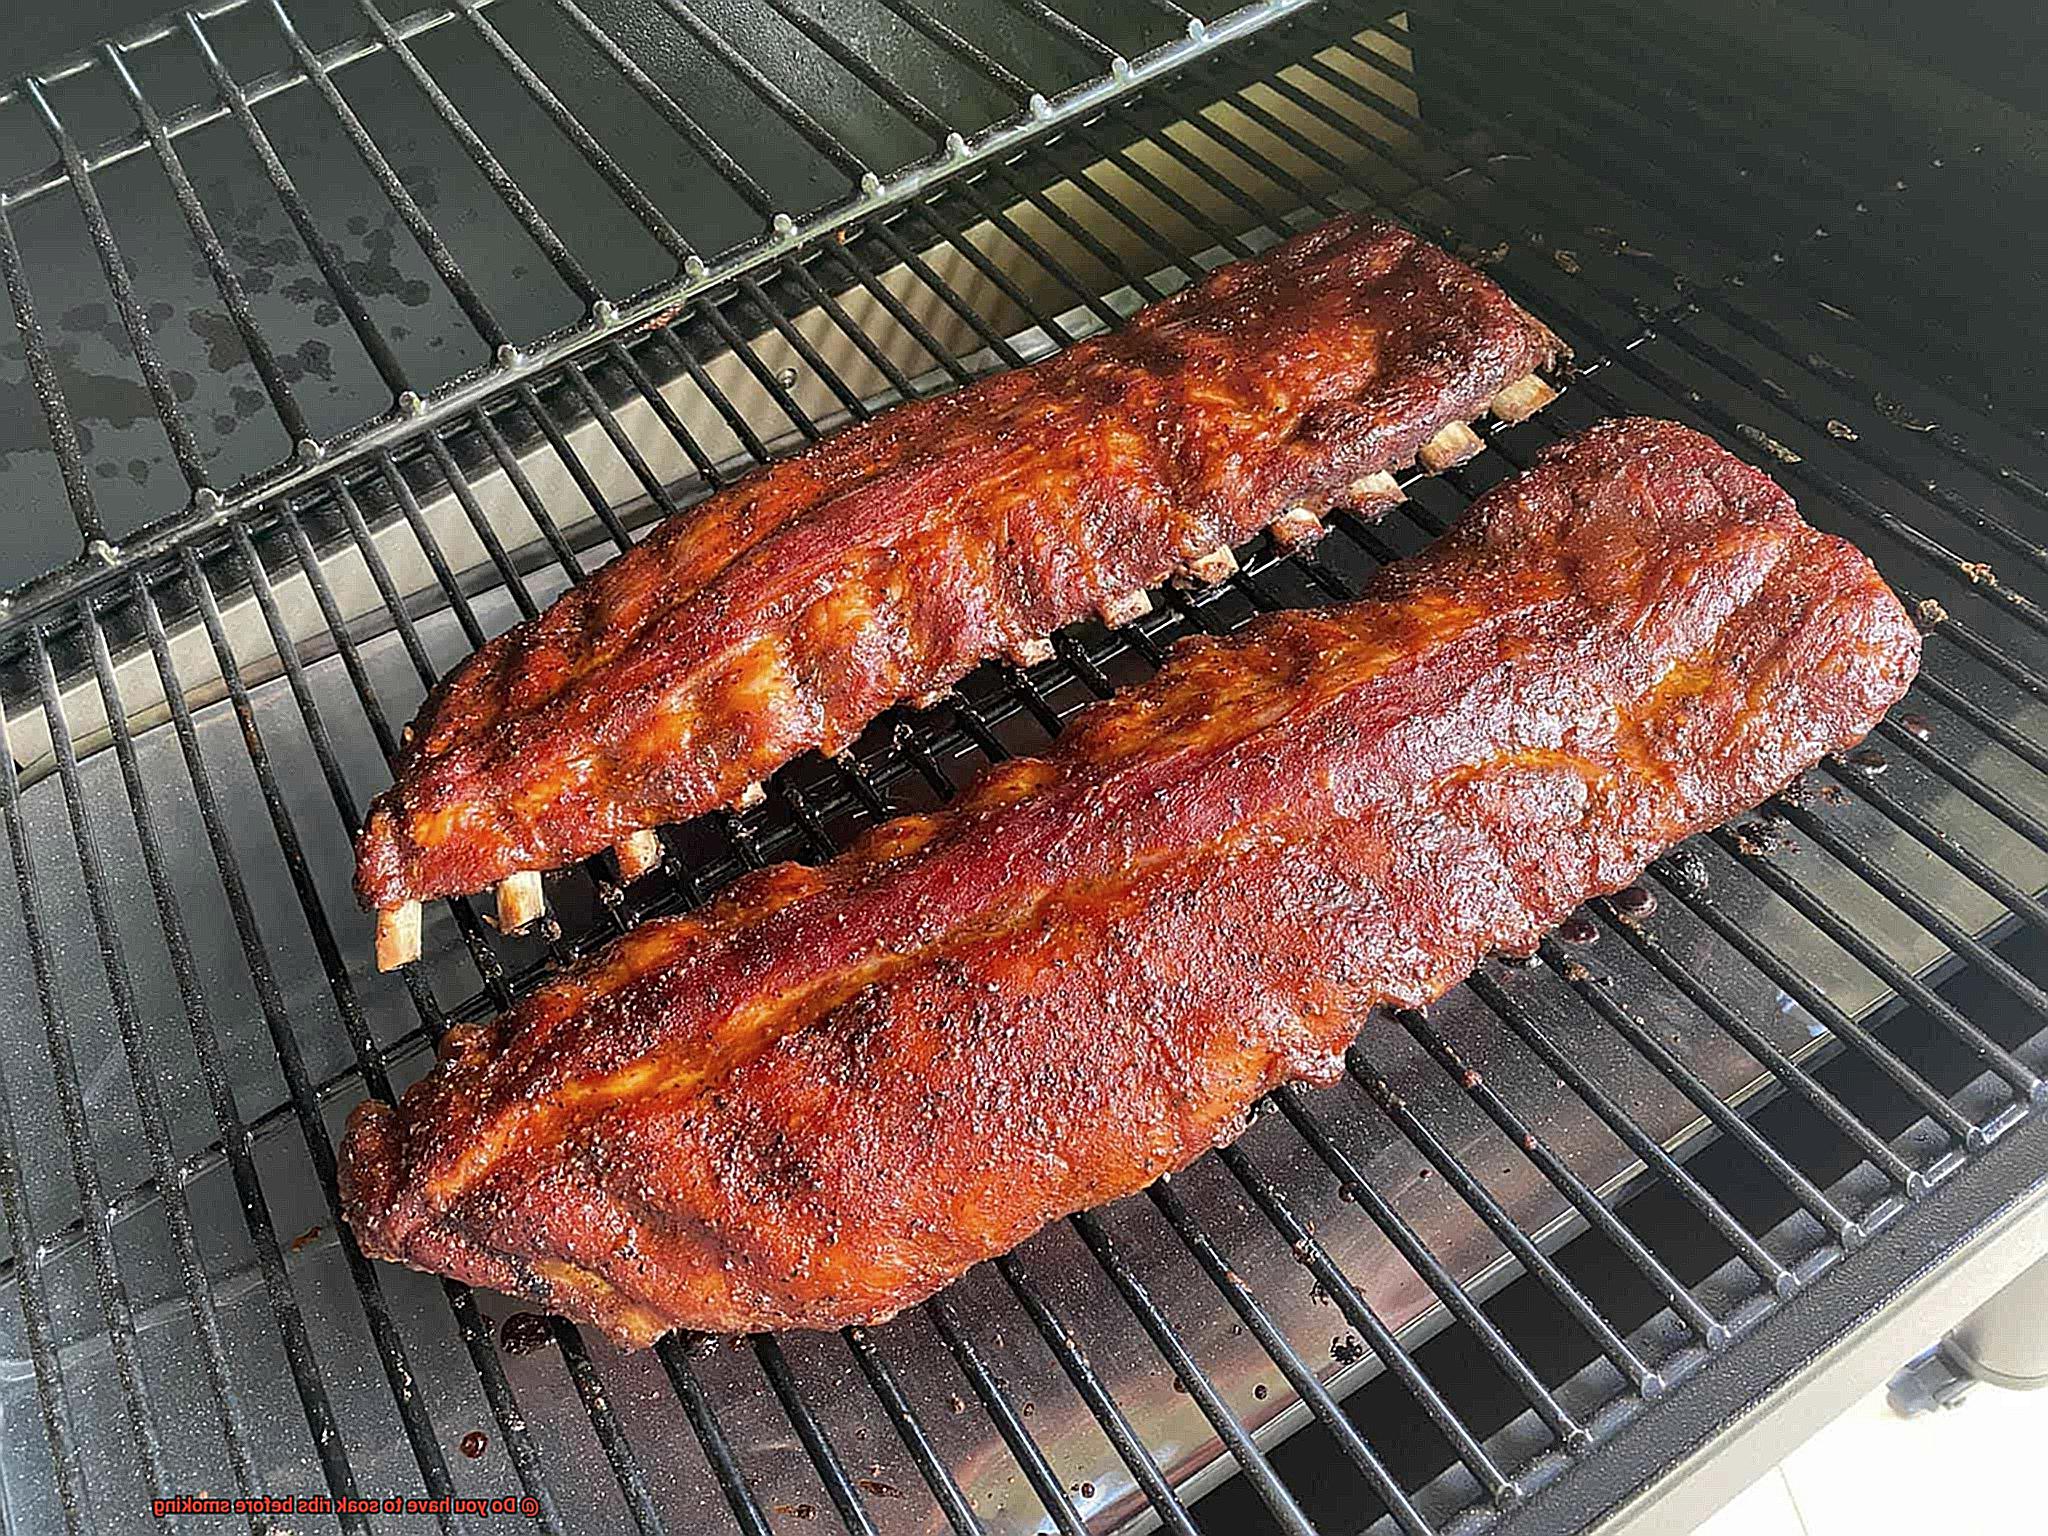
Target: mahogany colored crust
<point>790,609</point>
<point>833,1091</point>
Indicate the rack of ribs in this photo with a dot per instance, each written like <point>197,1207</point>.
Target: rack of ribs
<point>786,611</point>
<point>829,1093</point>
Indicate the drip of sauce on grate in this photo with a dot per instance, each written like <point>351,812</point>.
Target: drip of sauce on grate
<point>1635,902</point>
<point>1578,929</point>
<point>525,1332</point>
<point>475,1443</point>
<point>1919,727</point>
<point>1686,868</point>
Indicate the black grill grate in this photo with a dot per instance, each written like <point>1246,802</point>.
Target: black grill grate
<point>1529,1221</point>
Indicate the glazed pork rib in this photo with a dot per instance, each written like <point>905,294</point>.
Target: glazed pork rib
<point>833,1091</point>
<point>788,610</point>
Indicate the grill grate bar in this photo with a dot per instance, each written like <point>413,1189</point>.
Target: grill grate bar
<point>817,1444</point>
<point>1839,493</point>
<point>930,1465</point>
<point>148,1097</point>
<point>1497,1485</point>
<point>1789,209</point>
<point>1408,1243</point>
<point>1868,451</point>
<point>115,268</point>
<point>225,280</point>
<point>1951,442</point>
<point>725,1467</point>
<point>1000,278</point>
<point>1123,1437</point>
<point>1860,446</point>
<point>1879,1152</point>
<point>387,743</point>
<point>962,48</point>
<point>49,392</point>
<point>1064,26</point>
<point>578,471</point>
<point>2025,1085</point>
<point>993,339</point>
<point>1930,1099</point>
<point>529,498</point>
<point>480,524</point>
<point>115,1306</point>
<point>236,1136</point>
<point>1980,794</point>
<point>772,96</point>
<point>714,154</point>
<point>2028,908</point>
<point>1631,1132</point>
<point>508,190</point>
<point>600,159</point>
<point>52,1395</point>
<point>270,999</point>
<point>408,504</point>
<point>899,98</point>
<point>879,360</point>
<point>604,1424</point>
<point>1946,626</point>
<point>412,1410</point>
<point>241,104</point>
<point>1009,1423</point>
<point>421,228</point>
<point>1710,1330</point>
<point>41,183</point>
<point>2028,751</point>
<point>1304,1380</point>
<point>1703,1097</point>
<point>1251,1462</point>
<point>1694,295</point>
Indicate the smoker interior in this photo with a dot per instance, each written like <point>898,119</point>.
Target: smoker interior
<point>1495,1278</point>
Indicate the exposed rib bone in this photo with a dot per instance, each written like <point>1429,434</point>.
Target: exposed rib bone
<point>751,796</point>
<point>398,936</point>
<point>1522,399</point>
<point>1029,653</point>
<point>637,854</point>
<point>1120,610</point>
<point>1296,528</point>
<point>1376,491</point>
<point>1453,445</point>
<point>1211,568</point>
<point>520,902</point>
